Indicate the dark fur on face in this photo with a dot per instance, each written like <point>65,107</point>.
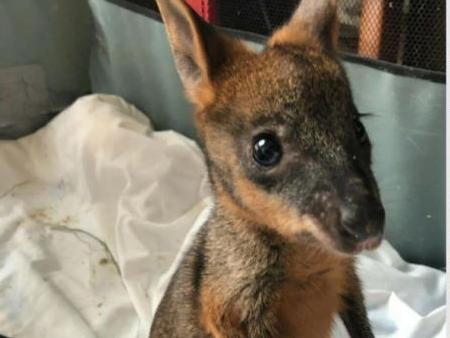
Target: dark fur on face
<point>302,96</point>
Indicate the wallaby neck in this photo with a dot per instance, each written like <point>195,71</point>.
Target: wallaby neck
<point>302,256</point>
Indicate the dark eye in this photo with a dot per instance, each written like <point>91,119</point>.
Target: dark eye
<point>267,150</point>
<point>360,131</point>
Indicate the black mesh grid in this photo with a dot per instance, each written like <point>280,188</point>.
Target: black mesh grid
<point>257,16</point>
<point>406,32</point>
<point>409,32</point>
<point>425,35</point>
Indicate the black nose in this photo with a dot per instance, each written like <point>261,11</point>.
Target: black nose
<point>363,219</point>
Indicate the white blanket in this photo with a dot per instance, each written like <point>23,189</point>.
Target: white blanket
<point>95,210</point>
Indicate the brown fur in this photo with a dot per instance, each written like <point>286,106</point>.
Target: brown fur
<point>314,24</point>
<point>274,258</point>
<point>310,297</point>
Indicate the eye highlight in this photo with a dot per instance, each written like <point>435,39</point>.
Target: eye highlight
<point>267,150</point>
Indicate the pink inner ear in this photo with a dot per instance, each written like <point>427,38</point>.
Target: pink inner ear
<point>205,8</point>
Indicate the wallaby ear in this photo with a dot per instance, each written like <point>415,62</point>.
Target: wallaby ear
<point>314,20</point>
<point>199,51</point>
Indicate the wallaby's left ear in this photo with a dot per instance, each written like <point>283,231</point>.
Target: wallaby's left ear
<point>314,20</point>
<point>199,51</point>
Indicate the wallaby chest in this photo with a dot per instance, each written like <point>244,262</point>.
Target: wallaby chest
<point>294,291</point>
<point>310,296</point>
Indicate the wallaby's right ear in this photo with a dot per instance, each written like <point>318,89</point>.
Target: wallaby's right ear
<point>199,51</point>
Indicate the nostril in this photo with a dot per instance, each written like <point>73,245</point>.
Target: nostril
<point>356,235</point>
<point>362,221</point>
<point>352,211</point>
<point>347,214</point>
<point>352,222</point>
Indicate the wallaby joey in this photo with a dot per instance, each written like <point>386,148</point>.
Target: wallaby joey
<point>290,169</point>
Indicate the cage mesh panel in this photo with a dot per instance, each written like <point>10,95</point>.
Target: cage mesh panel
<point>425,35</point>
<point>407,32</point>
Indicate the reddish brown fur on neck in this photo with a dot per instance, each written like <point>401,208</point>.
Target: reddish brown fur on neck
<point>310,298</point>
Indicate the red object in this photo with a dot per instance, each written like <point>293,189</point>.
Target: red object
<point>205,8</point>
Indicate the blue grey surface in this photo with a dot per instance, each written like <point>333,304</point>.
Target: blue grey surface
<point>407,130</point>
<point>53,37</point>
<point>131,58</point>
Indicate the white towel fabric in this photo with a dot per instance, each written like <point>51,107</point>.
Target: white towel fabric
<point>95,210</point>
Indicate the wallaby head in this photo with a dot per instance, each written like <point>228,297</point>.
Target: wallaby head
<point>283,139</point>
